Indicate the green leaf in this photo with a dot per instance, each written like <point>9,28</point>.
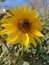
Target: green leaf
<point>47,58</point>
<point>38,63</point>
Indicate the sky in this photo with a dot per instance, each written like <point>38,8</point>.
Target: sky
<point>12,3</point>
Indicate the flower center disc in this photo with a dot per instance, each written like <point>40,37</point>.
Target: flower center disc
<point>24,25</point>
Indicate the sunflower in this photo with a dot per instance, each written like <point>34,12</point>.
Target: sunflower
<point>23,25</point>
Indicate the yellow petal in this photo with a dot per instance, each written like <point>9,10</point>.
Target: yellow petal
<point>7,20</point>
<point>25,40</point>
<point>37,24</point>
<point>7,31</point>
<point>13,11</point>
<point>8,14</point>
<point>17,9</point>
<point>37,38</point>
<point>13,39</point>
<point>26,8</point>
<point>40,23</point>
<point>34,13</point>
<point>5,24</point>
<point>37,33</point>
<point>32,40</point>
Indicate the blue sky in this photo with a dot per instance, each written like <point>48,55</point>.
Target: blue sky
<point>13,3</point>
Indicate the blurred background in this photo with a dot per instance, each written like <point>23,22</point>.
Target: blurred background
<point>15,55</point>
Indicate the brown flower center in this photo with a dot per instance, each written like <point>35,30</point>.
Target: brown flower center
<point>24,25</point>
